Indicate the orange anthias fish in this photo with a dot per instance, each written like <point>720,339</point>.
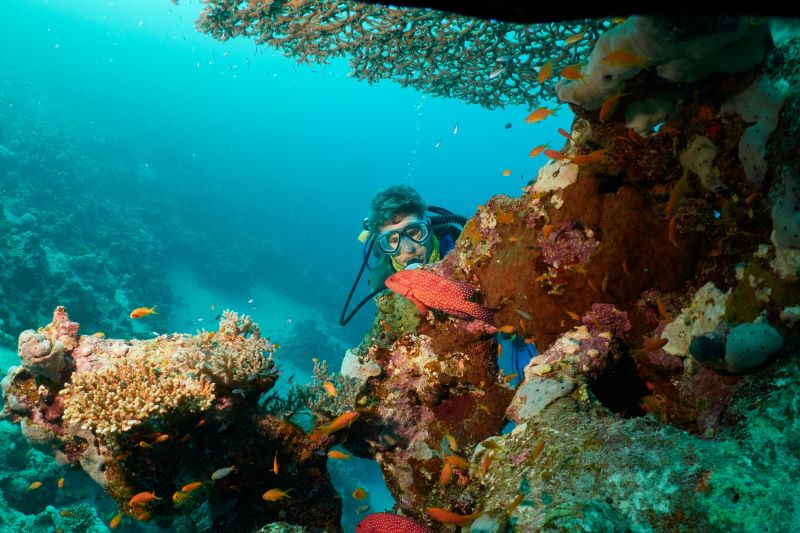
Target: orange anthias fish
<point>273,495</point>
<point>651,345</point>
<point>343,420</point>
<point>676,195</point>
<point>457,461</point>
<point>142,498</point>
<point>591,157</point>
<point>546,71</point>
<point>35,485</point>
<point>554,154</point>
<point>189,487</point>
<point>275,463</point>
<point>506,329</point>
<point>446,474</point>
<point>359,494</point>
<point>624,58</point>
<point>330,389</point>
<point>609,106</point>
<point>507,172</point>
<point>115,522</point>
<point>538,150</point>
<point>448,517</point>
<point>539,114</point>
<point>571,72</point>
<point>140,312</point>
<point>61,483</point>
<point>427,289</point>
<point>336,454</point>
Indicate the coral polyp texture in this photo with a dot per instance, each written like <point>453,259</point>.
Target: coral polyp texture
<point>116,398</point>
<point>478,61</point>
<point>155,415</point>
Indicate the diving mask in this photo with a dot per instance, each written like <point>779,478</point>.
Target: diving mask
<point>418,231</point>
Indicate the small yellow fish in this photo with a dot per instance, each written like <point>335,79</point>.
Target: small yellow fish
<point>359,494</point>
<point>451,441</point>
<point>507,172</point>
<point>61,483</point>
<point>114,524</point>
<point>140,312</point>
<point>273,495</point>
<point>64,512</point>
<point>222,472</point>
<point>330,389</point>
<point>180,497</point>
<point>491,445</point>
<point>545,72</point>
<point>35,485</point>
<point>99,334</point>
<point>574,38</point>
<point>336,454</point>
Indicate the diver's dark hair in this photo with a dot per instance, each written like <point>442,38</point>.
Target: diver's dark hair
<point>393,201</point>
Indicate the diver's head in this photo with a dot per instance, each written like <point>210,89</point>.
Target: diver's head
<point>406,239</point>
<point>397,217</point>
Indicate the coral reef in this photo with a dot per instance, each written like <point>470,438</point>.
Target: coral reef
<point>658,279</point>
<point>478,61</point>
<point>156,415</point>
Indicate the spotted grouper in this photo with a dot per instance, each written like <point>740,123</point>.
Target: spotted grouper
<point>389,523</point>
<point>427,289</point>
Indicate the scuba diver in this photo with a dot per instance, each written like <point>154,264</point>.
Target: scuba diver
<point>400,236</point>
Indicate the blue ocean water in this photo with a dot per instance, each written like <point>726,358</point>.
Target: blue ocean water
<point>253,172</point>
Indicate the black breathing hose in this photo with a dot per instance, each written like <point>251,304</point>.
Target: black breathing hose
<point>442,218</point>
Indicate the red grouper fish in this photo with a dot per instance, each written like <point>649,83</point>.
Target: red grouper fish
<point>390,523</point>
<point>427,289</point>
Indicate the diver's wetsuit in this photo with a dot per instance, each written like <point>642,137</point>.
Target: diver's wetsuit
<point>447,235</point>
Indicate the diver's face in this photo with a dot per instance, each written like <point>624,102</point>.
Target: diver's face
<point>408,249</point>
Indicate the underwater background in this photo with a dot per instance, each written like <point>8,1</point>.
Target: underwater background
<point>144,163</point>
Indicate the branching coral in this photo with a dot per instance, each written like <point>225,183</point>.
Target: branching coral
<point>321,401</point>
<point>489,63</point>
<point>116,398</point>
<point>233,358</point>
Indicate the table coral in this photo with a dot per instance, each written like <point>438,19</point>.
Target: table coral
<point>479,61</point>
